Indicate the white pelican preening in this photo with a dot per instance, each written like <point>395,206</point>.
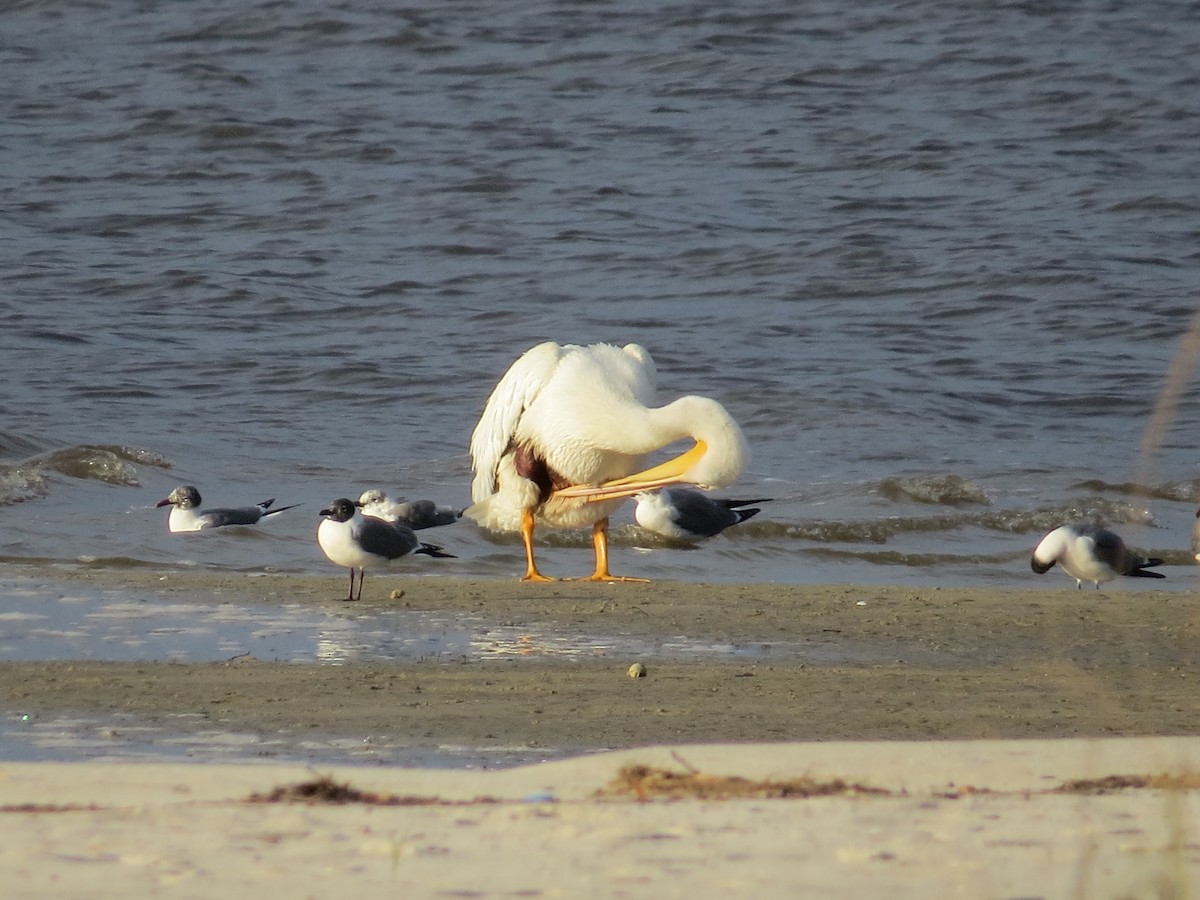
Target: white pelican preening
<point>1090,553</point>
<point>565,431</point>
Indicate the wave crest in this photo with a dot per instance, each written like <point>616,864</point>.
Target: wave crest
<point>110,464</point>
<point>940,490</point>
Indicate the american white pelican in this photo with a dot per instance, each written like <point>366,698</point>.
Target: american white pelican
<point>186,514</point>
<point>687,515</point>
<point>357,541</point>
<point>1090,553</point>
<point>565,428</point>
<point>416,514</point>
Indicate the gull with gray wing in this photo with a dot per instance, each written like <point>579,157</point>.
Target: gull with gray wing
<point>186,514</point>
<point>686,515</point>
<point>358,542</point>
<point>416,514</point>
<point>1090,553</point>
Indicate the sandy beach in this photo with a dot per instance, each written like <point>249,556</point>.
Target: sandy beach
<point>954,701</point>
<point>944,819</point>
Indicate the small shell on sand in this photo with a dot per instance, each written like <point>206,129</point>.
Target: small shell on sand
<point>637,670</point>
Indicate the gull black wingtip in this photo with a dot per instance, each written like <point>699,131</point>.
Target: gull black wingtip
<point>273,512</point>
<point>1143,571</point>
<point>434,551</point>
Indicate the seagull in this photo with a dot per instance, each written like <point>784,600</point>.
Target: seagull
<point>684,514</point>
<point>187,516</point>
<point>416,514</point>
<point>350,539</point>
<point>1090,553</point>
<point>1196,538</point>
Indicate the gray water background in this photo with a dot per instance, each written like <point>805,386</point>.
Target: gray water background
<point>935,259</point>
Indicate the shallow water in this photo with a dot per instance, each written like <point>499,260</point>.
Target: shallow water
<point>286,249</point>
<point>48,621</point>
<point>45,621</point>
<point>61,738</point>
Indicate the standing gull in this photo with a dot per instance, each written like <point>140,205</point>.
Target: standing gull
<point>1090,553</point>
<point>686,515</point>
<point>416,514</point>
<point>564,433</point>
<point>186,514</point>
<point>1196,538</point>
<point>357,542</point>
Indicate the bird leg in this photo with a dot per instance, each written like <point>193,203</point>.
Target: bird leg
<point>350,595</point>
<point>531,569</point>
<point>600,543</point>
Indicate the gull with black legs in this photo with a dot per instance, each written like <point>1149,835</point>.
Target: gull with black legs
<point>1090,553</point>
<point>358,542</point>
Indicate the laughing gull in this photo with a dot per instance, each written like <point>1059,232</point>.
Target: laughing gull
<point>1090,553</point>
<point>186,514</point>
<point>356,541</point>
<point>416,514</point>
<point>685,515</point>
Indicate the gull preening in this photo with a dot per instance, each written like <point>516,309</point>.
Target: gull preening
<point>564,434</point>
<point>416,514</point>
<point>186,514</point>
<point>687,515</point>
<point>1090,553</point>
<point>358,542</point>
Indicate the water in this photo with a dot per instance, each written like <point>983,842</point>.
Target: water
<point>45,622</point>
<point>936,261</point>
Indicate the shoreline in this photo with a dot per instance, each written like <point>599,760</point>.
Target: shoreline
<point>966,707</point>
<point>845,663</point>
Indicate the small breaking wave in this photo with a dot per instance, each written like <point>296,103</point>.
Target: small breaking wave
<point>940,490</point>
<point>1098,510</point>
<point>1178,491</point>
<point>110,464</point>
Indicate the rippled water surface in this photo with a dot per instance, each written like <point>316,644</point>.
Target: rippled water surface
<point>937,260</point>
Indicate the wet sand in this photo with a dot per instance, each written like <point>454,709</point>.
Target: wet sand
<point>857,663</point>
<point>855,671</point>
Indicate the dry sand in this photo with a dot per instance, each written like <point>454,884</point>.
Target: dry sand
<point>896,671</point>
<point>962,819</point>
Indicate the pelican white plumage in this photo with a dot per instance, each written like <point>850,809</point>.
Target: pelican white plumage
<point>565,431</point>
